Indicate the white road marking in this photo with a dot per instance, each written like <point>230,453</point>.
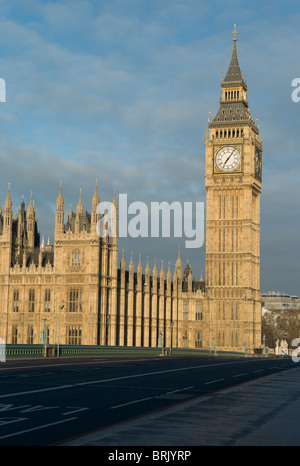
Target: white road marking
<point>29,392</point>
<point>214,381</point>
<point>36,428</point>
<point>75,410</point>
<point>145,374</point>
<point>240,375</point>
<point>132,402</point>
<point>149,398</point>
<point>180,390</point>
<point>126,377</point>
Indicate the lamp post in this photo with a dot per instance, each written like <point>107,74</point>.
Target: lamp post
<point>60,308</point>
<point>264,343</point>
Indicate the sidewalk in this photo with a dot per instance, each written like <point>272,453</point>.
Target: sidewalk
<point>264,412</point>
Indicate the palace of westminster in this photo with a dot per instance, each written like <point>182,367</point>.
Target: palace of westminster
<point>76,290</point>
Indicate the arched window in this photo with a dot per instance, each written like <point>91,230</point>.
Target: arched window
<point>16,301</point>
<point>76,258</point>
<point>75,300</point>
<point>31,301</point>
<point>47,300</point>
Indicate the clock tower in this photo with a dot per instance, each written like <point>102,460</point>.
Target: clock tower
<point>233,151</point>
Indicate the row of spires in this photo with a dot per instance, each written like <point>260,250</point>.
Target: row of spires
<point>178,267</point>
<point>79,209</point>
<point>8,214</point>
<point>59,201</point>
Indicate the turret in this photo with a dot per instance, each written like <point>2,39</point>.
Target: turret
<point>59,214</point>
<point>79,212</point>
<point>7,217</point>
<point>31,224</point>
<point>95,216</point>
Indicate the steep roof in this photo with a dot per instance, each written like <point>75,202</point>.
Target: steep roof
<point>234,74</point>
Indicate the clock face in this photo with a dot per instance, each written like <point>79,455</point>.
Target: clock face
<point>257,163</point>
<point>228,159</point>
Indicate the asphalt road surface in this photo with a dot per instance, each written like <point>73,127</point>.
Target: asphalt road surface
<point>47,402</point>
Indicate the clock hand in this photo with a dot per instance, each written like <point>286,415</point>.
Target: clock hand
<point>229,156</point>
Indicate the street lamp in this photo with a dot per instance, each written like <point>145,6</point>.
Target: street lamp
<point>60,308</point>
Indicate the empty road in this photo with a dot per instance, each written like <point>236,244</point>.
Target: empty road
<point>50,401</point>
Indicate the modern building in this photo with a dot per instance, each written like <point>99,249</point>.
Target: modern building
<point>79,292</point>
<point>279,301</point>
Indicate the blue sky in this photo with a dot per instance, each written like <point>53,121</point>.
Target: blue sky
<point>120,90</point>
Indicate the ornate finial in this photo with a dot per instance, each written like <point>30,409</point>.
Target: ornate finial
<point>234,33</point>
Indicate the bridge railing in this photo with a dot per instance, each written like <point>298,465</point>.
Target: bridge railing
<point>36,351</point>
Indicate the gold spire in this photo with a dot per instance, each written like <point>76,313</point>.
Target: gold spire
<point>154,267</point>
<point>147,268</point>
<point>178,262</point>
<point>234,32</point>
<point>8,201</point>
<point>60,199</point>
<point>79,209</point>
<point>139,267</point>
<point>96,198</point>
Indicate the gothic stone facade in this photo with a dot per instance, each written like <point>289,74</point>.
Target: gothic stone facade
<point>78,292</point>
<point>103,304</point>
